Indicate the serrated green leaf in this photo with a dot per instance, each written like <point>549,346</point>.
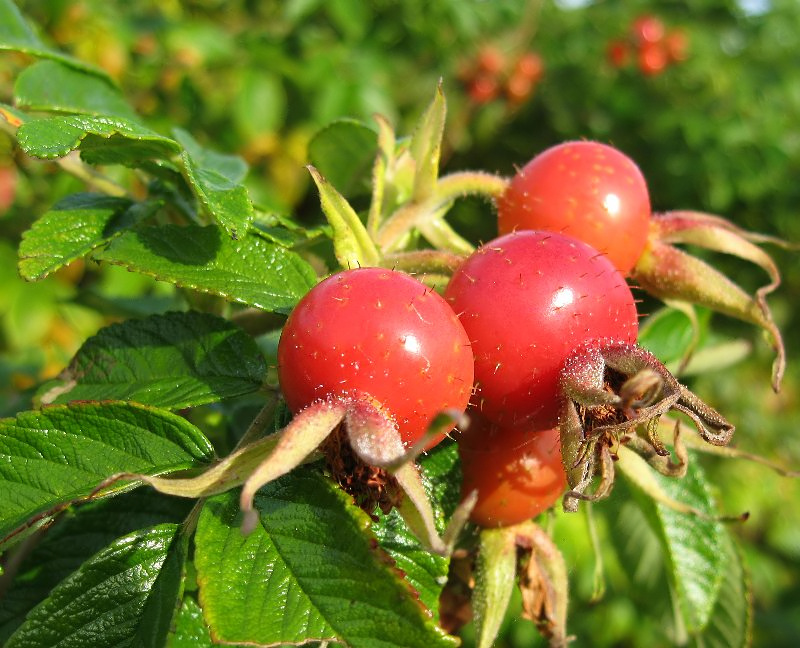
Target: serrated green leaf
<point>61,453</point>
<point>56,87</point>
<point>172,361</point>
<point>74,227</point>
<point>250,270</point>
<point>441,472</point>
<point>76,538</point>
<point>216,180</point>
<point>101,140</point>
<point>231,167</point>
<point>692,543</point>
<point>124,596</point>
<point>16,34</point>
<point>344,152</point>
<point>310,570</point>
<point>730,625</point>
<point>425,571</point>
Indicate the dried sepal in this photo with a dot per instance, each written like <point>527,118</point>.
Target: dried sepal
<point>674,275</point>
<point>599,458</point>
<point>543,583</point>
<point>615,394</point>
<point>366,457</point>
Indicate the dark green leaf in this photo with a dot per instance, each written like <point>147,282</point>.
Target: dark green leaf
<point>286,232</point>
<point>172,361</point>
<point>16,34</point>
<point>54,86</point>
<point>425,572</point>
<point>61,453</point>
<point>124,596</point>
<point>216,180</point>
<point>310,570</point>
<point>250,270</point>
<point>730,625</point>
<point>441,470</point>
<point>74,227</point>
<point>692,545</point>
<point>101,140</point>
<point>191,630</point>
<point>344,152</point>
<point>76,538</point>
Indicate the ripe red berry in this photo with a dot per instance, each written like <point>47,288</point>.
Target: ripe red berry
<point>647,29</point>
<point>382,333</point>
<point>517,474</point>
<point>653,58</point>
<point>526,300</point>
<point>588,190</point>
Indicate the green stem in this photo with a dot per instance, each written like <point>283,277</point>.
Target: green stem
<point>448,188</point>
<point>424,261</point>
<point>73,165</point>
<point>443,237</point>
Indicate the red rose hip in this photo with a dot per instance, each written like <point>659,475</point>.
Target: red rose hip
<point>526,300</point>
<point>588,190</point>
<point>382,333</point>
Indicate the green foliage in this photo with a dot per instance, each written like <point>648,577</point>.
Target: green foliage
<point>325,579</point>
<point>63,453</point>
<point>172,361</point>
<point>150,560</point>
<point>166,223</point>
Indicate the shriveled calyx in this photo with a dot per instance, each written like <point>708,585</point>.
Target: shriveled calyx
<point>366,455</point>
<point>615,394</point>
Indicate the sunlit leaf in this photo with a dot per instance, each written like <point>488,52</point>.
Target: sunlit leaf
<point>173,361</point>
<point>308,571</point>
<point>249,270</point>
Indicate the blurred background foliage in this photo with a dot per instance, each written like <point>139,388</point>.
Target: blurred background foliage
<point>709,107</point>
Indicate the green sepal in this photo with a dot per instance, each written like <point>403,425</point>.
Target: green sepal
<point>351,241</point>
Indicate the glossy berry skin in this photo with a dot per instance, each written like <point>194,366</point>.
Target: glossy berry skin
<point>586,189</point>
<point>518,474</point>
<point>526,300</point>
<point>382,333</point>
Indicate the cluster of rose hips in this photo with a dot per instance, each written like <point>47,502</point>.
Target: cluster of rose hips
<point>491,75</point>
<point>496,342</point>
<point>649,45</point>
<point>528,356</point>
